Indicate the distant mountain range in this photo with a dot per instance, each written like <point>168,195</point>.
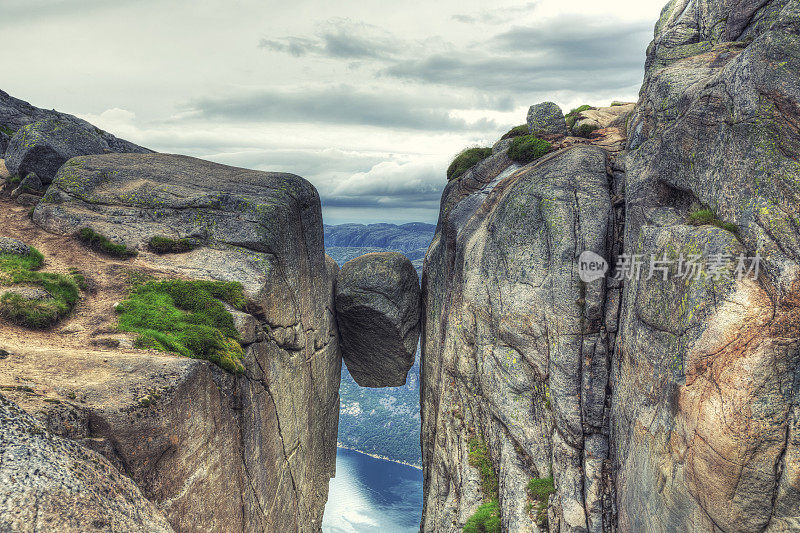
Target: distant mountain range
<point>383,422</point>
<point>347,241</point>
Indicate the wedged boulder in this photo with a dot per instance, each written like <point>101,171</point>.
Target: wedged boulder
<point>378,312</point>
<point>547,118</point>
<point>43,146</point>
<point>49,483</point>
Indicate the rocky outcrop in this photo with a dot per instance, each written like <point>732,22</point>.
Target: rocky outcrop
<point>657,404</point>
<point>378,312</point>
<point>546,118</point>
<point>15,114</point>
<point>705,409</point>
<point>261,445</point>
<point>43,146</point>
<point>49,483</point>
<point>512,337</point>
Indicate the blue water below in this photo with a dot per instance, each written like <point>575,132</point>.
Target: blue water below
<point>372,495</point>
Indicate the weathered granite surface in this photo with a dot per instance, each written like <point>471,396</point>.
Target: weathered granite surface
<point>49,483</point>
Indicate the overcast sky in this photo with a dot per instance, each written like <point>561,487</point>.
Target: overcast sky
<point>368,100</point>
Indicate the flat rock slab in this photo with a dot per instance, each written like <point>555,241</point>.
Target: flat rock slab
<point>49,483</point>
<point>378,312</point>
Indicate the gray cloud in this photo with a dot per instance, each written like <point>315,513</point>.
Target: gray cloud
<point>499,15</point>
<point>344,104</point>
<point>296,46</point>
<point>568,54</point>
<point>341,39</point>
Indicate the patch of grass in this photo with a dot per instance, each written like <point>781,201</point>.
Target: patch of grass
<point>528,148</point>
<point>100,243</point>
<point>14,180</point>
<point>164,245</point>
<point>707,217</point>
<point>584,130</point>
<point>517,131</point>
<point>466,160</point>
<point>616,103</point>
<point>22,270</point>
<point>572,116</point>
<point>8,131</point>
<point>485,520</point>
<point>540,490</point>
<point>186,317</point>
<point>479,458</point>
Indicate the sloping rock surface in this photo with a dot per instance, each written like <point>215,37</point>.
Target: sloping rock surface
<point>49,483</point>
<point>378,312</point>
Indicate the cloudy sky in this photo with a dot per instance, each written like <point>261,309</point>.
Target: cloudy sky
<point>368,100</point>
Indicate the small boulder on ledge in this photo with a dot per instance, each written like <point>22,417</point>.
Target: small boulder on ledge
<point>547,118</point>
<point>378,303</point>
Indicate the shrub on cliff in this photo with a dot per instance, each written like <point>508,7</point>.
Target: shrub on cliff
<point>165,245</point>
<point>466,160</point>
<point>572,116</point>
<point>528,148</point>
<point>188,318</point>
<point>707,217</point>
<point>485,520</point>
<point>517,131</point>
<point>584,130</point>
<point>540,490</point>
<point>101,243</point>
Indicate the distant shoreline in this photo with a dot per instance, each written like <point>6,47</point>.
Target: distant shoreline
<point>375,456</point>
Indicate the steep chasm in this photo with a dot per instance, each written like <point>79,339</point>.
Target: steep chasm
<point>655,404</point>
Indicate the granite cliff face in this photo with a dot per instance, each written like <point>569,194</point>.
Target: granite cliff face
<point>261,445</point>
<point>656,405</point>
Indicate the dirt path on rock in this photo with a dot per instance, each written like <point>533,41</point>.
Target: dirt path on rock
<point>93,318</point>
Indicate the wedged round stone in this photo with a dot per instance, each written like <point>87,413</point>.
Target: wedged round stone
<point>13,246</point>
<point>378,313</point>
<point>548,118</point>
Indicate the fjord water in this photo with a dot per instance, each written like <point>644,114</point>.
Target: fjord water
<point>372,495</point>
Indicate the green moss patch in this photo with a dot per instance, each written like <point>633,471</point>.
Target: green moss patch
<point>187,318</point>
<point>487,517</point>
<point>572,116</point>
<point>485,520</point>
<point>22,271</point>
<point>101,243</point>
<point>8,131</point>
<point>14,180</point>
<point>528,148</point>
<point>466,160</point>
<point>517,131</point>
<point>540,490</point>
<point>164,245</point>
<point>707,217</point>
<point>479,458</point>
